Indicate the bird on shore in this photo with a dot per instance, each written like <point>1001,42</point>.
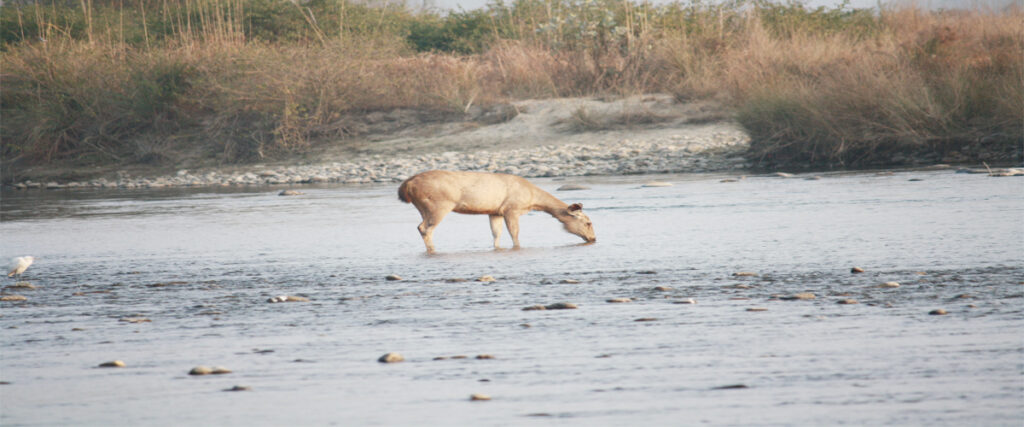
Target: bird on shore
<point>19,265</point>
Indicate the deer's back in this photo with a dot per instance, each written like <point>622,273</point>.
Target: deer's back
<point>470,192</point>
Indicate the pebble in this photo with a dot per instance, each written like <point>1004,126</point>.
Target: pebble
<point>799,296</point>
<point>889,285</point>
<point>856,270</point>
<point>937,312</point>
<point>847,301</point>
<point>21,285</point>
<point>13,298</point>
<point>391,358</point>
<point>485,278</point>
<point>135,320</point>
<point>744,274</point>
<point>685,301</point>
<point>757,309</point>
<point>569,281</point>
<point>206,370</point>
<point>290,193</point>
<point>393,277</point>
<point>112,364</point>
<point>784,175</point>
<point>731,387</point>
<point>618,300</point>
<point>479,397</point>
<point>288,298</point>
<point>572,187</point>
<point>484,356</point>
<point>239,388</point>
<point>561,306</point>
<point>657,184</point>
<point>646,319</point>
<point>662,288</point>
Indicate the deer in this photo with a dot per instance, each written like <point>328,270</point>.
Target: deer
<point>501,196</point>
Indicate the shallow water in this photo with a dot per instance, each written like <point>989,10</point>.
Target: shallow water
<point>201,263</point>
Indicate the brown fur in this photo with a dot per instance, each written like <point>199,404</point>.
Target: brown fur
<point>501,196</point>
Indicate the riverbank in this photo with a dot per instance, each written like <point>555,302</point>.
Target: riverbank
<point>535,138</point>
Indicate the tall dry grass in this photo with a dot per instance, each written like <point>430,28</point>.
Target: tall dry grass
<point>240,83</point>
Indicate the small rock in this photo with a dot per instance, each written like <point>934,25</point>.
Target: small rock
<point>220,370</point>
<point>456,280</point>
<point>485,278</point>
<point>744,274</point>
<point>391,358</point>
<point>662,288</point>
<point>847,301</point>
<point>937,312</point>
<point>757,309</point>
<point>813,178</point>
<point>572,187</point>
<point>618,300</point>
<point>460,356</point>
<point>799,296</point>
<point>784,175</point>
<point>441,358</point>
<point>731,387</point>
<point>21,285</point>
<point>889,285</point>
<point>479,397</point>
<point>112,364</point>
<point>239,388</point>
<point>13,298</point>
<point>685,301</point>
<point>963,296</point>
<point>201,370</point>
<point>393,277</point>
<point>915,180</point>
<point>646,319</point>
<point>484,356</point>
<point>728,180</point>
<point>135,320</point>
<point>535,307</point>
<point>288,298</point>
<point>569,281</point>
<point>657,184</point>
<point>856,270</point>
<point>290,193</point>
<point>561,306</point>
<point>647,272</point>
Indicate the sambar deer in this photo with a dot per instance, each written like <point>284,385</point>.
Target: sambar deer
<point>501,196</point>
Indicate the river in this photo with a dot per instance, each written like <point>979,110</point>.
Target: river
<point>201,263</point>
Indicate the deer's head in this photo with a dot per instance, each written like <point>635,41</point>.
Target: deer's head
<point>578,223</point>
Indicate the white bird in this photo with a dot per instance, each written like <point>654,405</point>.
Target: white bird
<point>19,265</point>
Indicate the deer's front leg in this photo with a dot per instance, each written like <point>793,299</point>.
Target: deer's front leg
<point>512,222</point>
<point>496,230</point>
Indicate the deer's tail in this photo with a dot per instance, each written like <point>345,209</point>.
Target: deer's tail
<point>403,191</point>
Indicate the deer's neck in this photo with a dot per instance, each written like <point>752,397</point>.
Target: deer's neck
<point>544,201</point>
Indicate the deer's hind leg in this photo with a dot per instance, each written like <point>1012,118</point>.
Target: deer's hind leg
<point>432,214</point>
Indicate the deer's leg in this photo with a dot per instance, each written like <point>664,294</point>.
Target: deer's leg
<point>512,222</point>
<point>496,230</point>
<point>432,215</point>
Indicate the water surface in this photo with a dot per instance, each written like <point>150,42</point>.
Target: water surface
<point>201,263</point>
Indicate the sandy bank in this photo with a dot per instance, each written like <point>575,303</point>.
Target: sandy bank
<point>559,137</point>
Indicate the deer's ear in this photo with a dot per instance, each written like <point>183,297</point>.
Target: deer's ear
<point>575,207</point>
